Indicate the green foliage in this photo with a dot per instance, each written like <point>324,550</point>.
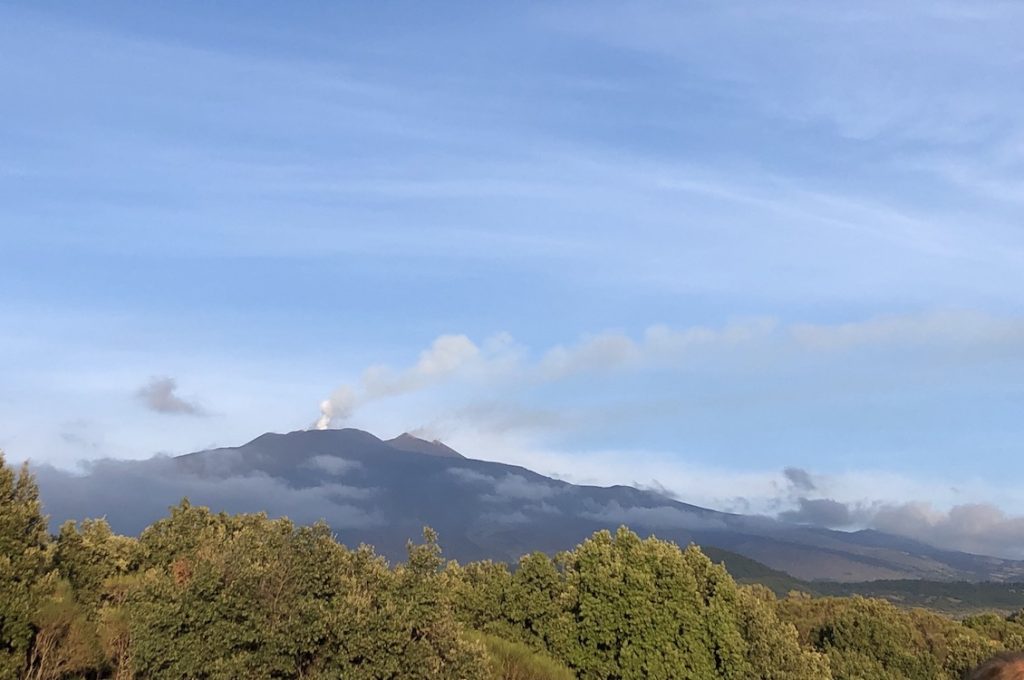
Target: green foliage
<point>1009,632</point>
<point>209,596</point>
<point>516,661</point>
<point>871,638</point>
<point>285,602</point>
<point>480,590</point>
<point>24,566</point>
<point>955,598</point>
<point>88,556</point>
<point>773,646</point>
<point>65,641</point>
<point>621,607</point>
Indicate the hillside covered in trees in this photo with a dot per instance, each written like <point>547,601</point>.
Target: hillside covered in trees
<point>219,596</point>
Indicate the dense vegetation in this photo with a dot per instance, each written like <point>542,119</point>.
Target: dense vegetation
<point>204,595</point>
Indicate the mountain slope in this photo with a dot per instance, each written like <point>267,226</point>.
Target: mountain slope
<point>407,442</point>
<point>384,492</point>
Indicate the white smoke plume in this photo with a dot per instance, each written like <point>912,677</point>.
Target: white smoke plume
<point>339,406</point>
<point>451,356</point>
<point>447,355</point>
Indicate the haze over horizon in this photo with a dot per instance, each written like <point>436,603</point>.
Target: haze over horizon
<point>767,258</point>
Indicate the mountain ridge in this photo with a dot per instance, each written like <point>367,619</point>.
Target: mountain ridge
<point>383,492</point>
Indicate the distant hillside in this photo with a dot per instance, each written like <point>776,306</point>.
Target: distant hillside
<point>384,492</point>
<point>955,598</point>
<point>746,570</point>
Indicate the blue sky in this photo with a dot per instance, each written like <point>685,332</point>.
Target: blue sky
<point>690,243</point>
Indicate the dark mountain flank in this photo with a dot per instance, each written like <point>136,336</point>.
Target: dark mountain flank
<point>407,442</point>
<point>384,492</point>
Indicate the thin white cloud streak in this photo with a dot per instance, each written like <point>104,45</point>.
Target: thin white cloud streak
<point>665,516</point>
<point>825,61</point>
<point>558,174</point>
<point>650,196</point>
<point>930,116</point>
<point>584,175</point>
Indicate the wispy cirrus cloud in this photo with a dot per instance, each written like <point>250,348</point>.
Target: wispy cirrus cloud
<point>826,61</point>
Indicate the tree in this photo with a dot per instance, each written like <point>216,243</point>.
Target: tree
<point>773,647</point>
<point>88,555</point>
<point>65,640</point>
<point>24,562</point>
<point>258,587</point>
<point>621,607</point>
<point>213,596</point>
<point>872,638</point>
<point>283,601</point>
<point>1009,632</point>
<point>479,593</point>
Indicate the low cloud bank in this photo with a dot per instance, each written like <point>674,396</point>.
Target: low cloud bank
<point>980,528</point>
<point>506,488</point>
<point>134,493</point>
<point>654,517</point>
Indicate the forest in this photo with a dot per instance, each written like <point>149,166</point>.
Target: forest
<point>209,595</point>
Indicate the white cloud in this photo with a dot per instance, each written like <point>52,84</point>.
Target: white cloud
<point>470,476</point>
<point>714,487</point>
<point>973,527</point>
<point>980,528</point>
<point>830,74</point>
<point>507,487</point>
<point>332,465</point>
<point>518,487</point>
<point>663,516</point>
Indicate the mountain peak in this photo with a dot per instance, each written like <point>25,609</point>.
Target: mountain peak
<point>413,444</point>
